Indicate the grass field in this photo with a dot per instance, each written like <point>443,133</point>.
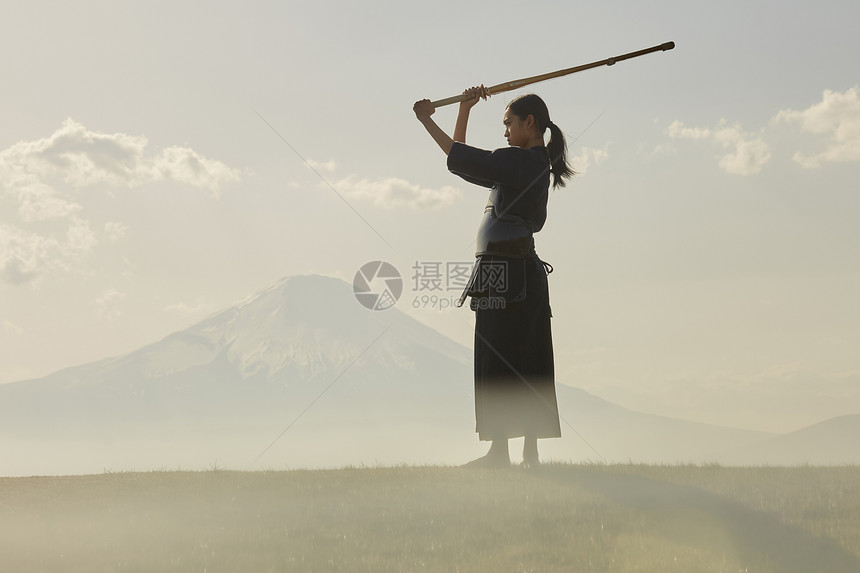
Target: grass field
<point>568,518</point>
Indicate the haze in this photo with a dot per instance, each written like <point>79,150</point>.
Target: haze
<point>705,258</point>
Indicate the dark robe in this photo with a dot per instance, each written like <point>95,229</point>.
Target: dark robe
<point>514,372</point>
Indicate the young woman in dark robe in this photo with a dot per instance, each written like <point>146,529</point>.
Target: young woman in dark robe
<point>514,372</point>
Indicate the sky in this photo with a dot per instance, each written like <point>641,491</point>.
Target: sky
<point>160,161</point>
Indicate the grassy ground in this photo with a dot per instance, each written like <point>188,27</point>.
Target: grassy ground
<point>559,518</point>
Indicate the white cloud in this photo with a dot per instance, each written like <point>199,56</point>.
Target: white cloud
<point>201,305</point>
<point>587,157</point>
<point>108,304</point>
<point>80,238</point>
<point>80,156</point>
<point>11,328</point>
<point>115,231</point>
<point>39,202</point>
<point>24,254</point>
<point>746,153</point>
<point>47,227</point>
<point>676,130</point>
<point>389,192</point>
<point>185,165</point>
<point>329,165</point>
<point>837,116</point>
<point>83,157</point>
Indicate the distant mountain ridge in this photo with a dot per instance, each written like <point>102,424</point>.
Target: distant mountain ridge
<point>344,384</point>
<point>831,442</point>
<point>307,324</point>
<point>301,329</point>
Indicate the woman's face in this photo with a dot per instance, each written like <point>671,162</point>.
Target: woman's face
<point>518,130</point>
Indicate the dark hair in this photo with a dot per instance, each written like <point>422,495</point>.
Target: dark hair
<point>532,104</point>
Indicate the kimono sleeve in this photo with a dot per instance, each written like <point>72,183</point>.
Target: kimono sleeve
<point>483,167</point>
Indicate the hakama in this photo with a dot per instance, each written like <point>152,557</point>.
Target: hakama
<point>514,370</point>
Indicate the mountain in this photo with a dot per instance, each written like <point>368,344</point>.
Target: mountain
<point>281,344</point>
<point>831,442</point>
<point>302,375</point>
<point>606,432</point>
<point>242,375</point>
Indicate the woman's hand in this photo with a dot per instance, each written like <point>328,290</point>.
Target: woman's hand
<point>475,94</point>
<point>423,109</point>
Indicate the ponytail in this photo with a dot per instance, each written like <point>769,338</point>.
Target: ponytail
<point>532,104</point>
<point>557,150</point>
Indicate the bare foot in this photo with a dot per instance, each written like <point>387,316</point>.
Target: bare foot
<point>491,460</point>
<point>530,463</point>
<point>530,453</point>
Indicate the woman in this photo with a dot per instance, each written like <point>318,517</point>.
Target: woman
<point>514,373</point>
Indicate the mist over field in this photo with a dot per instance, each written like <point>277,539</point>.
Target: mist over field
<point>562,518</point>
<point>300,375</point>
<point>160,161</point>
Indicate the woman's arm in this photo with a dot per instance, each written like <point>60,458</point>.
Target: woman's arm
<point>465,107</point>
<point>424,110</point>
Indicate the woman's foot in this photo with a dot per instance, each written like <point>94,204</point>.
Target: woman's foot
<point>530,453</point>
<point>530,464</point>
<point>497,457</point>
<point>489,461</point>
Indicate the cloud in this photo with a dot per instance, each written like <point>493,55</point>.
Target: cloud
<point>185,165</point>
<point>115,231</point>
<point>39,202</point>
<point>836,116</point>
<point>11,328</point>
<point>46,227</point>
<point>390,192</point>
<point>108,304</point>
<point>79,237</point>
<point>587,157</point>
<point>676,130</point>
<point>201,305</point>
<point>24,255</point>
<point>746,153</point>
<point>84,157</point>
<point>329,165</point>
